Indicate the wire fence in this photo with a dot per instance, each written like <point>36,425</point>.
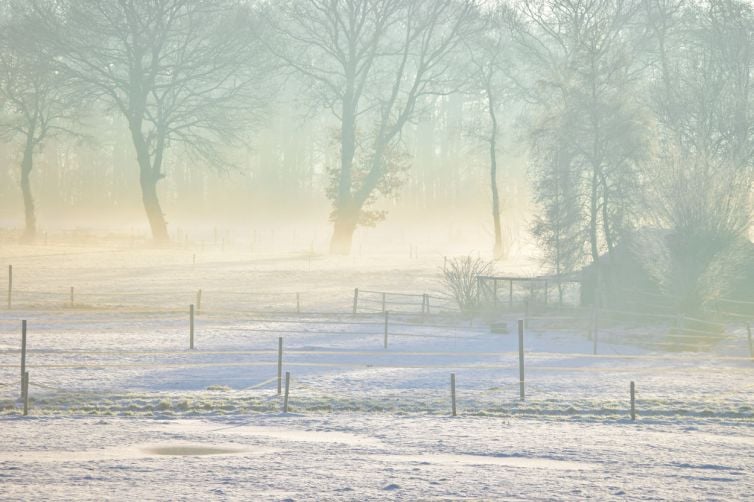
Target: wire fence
<point>168,351</point>
<point>100,364</point>
<point>226,300</point>
<point>499,296</point>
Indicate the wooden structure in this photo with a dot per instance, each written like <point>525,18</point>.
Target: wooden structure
<point>511,292</point>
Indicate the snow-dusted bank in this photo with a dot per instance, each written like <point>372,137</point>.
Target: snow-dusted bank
<point>120,406</point>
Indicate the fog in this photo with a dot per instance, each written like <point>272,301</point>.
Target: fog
<point>282,182</point>
<point>317,230</point>
<point>564,130</point>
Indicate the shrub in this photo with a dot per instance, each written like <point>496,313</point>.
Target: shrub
<point>460,280</point>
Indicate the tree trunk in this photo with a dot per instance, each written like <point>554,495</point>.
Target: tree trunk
<point>149,175</point>
<point>152,207</point>
<point>30,231</point>
<point>498,249</point>
<point>345,216</point>
<point>593,216</point>
<point>343,229</point>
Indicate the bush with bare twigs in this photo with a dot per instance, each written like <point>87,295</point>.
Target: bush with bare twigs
<point>460,280</point>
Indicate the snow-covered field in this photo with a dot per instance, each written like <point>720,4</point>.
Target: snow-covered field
<point>121,407</point>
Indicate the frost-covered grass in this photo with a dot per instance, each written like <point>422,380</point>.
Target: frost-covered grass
<point>119,404</point>
<point>94,363</point>
<point>372,456</point>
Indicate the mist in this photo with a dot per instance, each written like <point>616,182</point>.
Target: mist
<point>481,249</point>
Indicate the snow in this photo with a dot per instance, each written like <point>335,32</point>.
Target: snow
<point>120,407</point>
<point>416,457</point>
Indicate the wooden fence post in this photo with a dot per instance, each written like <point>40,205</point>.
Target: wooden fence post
<point>478,291</point>
<point>386,324</point>
<point>453,392</point>
<point>23,354</point>
<point>494,288</point>
<point>25,385</point>
<point>748,333</point>
<point>510,294</point>
<point>287,388</point>
<point>280,364</point>
<point>633,401</point>
<point>10,286</point>
<point>355,300</point>
<point>531,288</point>
<point>199,301</point>
<point>521,359</point>
<point>191,327</point>
<point>72,298</point>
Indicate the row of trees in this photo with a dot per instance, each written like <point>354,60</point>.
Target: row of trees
<point>178,72</point>
<point>199,74</point>
<point>643,121</point>
<point>635,113</point>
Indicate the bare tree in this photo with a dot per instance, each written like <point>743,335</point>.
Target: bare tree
<point>586,60</point>
<point>703,169</point>
<point>179,71</point>
<point>371,62</point>
<point>491,56</point>
<point>557,227</point>
<point>37,100</point>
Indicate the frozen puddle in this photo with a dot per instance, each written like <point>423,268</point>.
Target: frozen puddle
<point>519,462</point>
<point>280,433</point>
<point>132,452</point>
<point>301,435</point>
<point>187,450</point>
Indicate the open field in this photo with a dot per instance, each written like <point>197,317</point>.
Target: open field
<point>120,405</point>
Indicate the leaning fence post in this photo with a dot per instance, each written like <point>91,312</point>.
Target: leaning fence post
<point>453,392</point>
<point>287,388</point>
<point>748,333</point>
<point>10,286</point>
<point>633,401</point>
<point>23,354</point>
<point>25,384</point>
<point>510,294</point>
<point>494,287</point>
<point>191,326</point>
<point>521,358</point>
<point>280,364</point>
<point>355,300</point>
<point>386,325</point>
<point>478,291</point>
<point>199,301</point>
